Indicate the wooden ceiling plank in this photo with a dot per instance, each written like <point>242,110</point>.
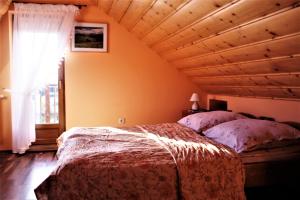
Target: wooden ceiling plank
<point>105,5</point>
<point>283,80</point>
<point>239,13</point>
<point>171,14</point>
<point>135,13</point>
<point>268,28</point>
<point>281,46</point>
<point>119,8</point>
<point>183,16</point>
<point>243,70</point>
<point>275,60</point>
<point>251,86</point>
<point>255,92</point>
<point>250,75</point>
<point>154,15</point>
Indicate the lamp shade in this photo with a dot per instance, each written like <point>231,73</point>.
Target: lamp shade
<point>194,97</point>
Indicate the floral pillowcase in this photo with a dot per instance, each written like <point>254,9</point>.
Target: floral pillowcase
<point>205,120</point>
<point>249,134</point>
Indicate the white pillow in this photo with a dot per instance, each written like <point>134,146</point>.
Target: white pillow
<point>249,134</point>
<point>205,120</point>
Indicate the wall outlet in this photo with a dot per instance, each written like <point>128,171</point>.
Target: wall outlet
<point>121,120</point>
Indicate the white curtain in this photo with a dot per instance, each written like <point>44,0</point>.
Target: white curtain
<point>40,36</point>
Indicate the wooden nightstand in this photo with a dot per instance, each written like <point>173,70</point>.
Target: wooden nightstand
<point>190,111</point>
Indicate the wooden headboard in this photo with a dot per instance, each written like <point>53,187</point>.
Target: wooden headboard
<point>215,104</point>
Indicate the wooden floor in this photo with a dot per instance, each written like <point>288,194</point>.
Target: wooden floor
<point>21,174</point>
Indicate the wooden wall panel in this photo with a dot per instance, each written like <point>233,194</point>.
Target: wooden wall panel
<point>241,12</point>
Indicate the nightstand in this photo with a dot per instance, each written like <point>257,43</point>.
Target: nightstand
<point>190,111</point>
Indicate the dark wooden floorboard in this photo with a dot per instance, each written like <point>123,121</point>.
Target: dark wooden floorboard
<point>21,174</point>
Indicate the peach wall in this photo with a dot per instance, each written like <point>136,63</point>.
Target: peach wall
<point>129,81</point>
<point>5,117</point>
<point>281,110</point>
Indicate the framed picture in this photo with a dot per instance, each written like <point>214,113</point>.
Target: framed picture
<point>90,37</point>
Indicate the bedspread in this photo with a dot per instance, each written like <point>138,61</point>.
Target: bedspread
<point>164,161</point>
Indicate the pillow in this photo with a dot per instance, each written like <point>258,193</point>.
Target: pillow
<point>249,134</point>
<point>204,120</point>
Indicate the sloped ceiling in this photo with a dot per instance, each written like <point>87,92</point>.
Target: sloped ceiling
<point>4,4</point>
<point>233,47</point>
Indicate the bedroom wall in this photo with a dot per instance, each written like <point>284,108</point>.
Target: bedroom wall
<point>281,110</point>
<point>5,117</point>
<point>129,81</point>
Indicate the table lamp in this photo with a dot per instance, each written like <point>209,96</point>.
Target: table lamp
<point>195,99</point>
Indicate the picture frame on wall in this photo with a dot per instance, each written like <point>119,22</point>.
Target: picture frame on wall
<point>90,37</point>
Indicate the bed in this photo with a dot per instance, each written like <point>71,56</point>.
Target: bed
<point>277,163</point>
<point>185,160</point>
<point>163,161</point>
<point>270,150</point>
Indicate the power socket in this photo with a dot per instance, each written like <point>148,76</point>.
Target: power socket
<point>122,120</point>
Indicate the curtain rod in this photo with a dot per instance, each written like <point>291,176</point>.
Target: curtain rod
<point>77,5</point>
<point>38,13</point>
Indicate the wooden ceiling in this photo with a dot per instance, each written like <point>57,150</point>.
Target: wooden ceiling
<point>232,47</point>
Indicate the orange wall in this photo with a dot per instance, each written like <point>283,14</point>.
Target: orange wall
<point>130,81</point>
<point>281,110</point>
<point>5,117</point>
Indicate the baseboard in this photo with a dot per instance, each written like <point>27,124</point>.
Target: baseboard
<point>43,147</point>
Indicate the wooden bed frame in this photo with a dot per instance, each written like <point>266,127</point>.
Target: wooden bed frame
<point>272,167</point>
<point>268,167</point>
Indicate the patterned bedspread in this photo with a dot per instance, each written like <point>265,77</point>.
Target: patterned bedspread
<point>164,161</point>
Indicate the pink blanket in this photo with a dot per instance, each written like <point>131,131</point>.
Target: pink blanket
<point>164,161</point>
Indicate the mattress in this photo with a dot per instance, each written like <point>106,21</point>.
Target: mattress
<point>163,161</point>
<point>274,151</point>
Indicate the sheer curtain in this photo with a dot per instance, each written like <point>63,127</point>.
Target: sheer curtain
<point>40,37</point>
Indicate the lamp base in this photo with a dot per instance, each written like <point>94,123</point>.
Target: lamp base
<point>195,106</point>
